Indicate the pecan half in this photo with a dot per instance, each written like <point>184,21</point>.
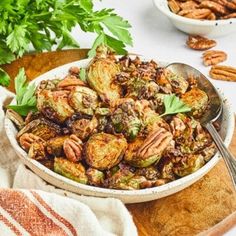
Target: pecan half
<point>200,43</point>
<point>213,57</point>
<point>174,6</point>
<point>73,148</point>
<point>212,16</point>
<point>155,143</point>
<point>188,5</point>
<point>231,4</point>
<point>195,13</point>
<point>214,6</point>
<point>220,72</point>
<point>232,15</point>
<point>69,82</point>
<point>27,139</point>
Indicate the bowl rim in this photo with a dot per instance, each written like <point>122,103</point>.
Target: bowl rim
<point>167,12</point>
<point>116,192</point>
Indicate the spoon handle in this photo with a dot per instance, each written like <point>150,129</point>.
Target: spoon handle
<point>229,159</point>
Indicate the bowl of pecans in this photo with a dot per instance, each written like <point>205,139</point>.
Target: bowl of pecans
<point>200,17</point>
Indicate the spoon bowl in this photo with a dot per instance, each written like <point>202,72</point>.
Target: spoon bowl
<point>211,114</point>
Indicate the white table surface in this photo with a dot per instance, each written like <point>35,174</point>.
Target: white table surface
<point>154,36</point>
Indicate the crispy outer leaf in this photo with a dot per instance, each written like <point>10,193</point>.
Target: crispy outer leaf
<point>4,78</point>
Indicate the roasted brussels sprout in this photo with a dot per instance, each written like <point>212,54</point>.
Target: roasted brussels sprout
<point>83,128</point>
<point>42,128</point>
<point>144,152</point>
<point>37,151</point>
<point>126,120</point>
<point>54,146</point>
<point>197,100</point>
<point>103,151</point>
<point>188,164</point>
<point>83,100</point>
<point>95,177</point>
<point>74,171</point>
<point>54,105</point>
<point>101,74</point>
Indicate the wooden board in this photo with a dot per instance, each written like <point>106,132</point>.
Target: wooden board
<point>188,212</point>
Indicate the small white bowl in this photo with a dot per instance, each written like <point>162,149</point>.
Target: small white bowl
<point>127,196</point>
<point>212,28</point>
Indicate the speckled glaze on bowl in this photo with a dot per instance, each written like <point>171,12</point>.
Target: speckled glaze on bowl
<point>211,28</point>
<point>127,196</point>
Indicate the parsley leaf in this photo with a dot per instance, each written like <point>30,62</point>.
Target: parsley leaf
<point>4,78</point>
<point>82,74</point>
<point>25,97</point>
<point>174,105</point>
<point>46,23</point>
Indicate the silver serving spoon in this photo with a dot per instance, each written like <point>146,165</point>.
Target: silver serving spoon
<point>212,114</point>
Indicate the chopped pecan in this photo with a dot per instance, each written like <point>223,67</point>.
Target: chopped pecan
<point>69,82</point>
<point>214,6</point>
<point>231,4</point>
<point>73,148</point>
<point>188,5</point>
<point>155,143</point>
<point>27,139</point>
<point>212,16</point>
<point>195,13</point>
<point>220,72</point>
<point>74,70</point>
<point>232,15</point>
<point>174,6</point>
<point>213,57</point>
<point>197,42</point>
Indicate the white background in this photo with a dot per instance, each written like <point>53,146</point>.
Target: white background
<point>154,36</point>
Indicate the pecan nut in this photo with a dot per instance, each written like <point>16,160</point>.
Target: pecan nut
<point>221,72</point>
<point>73,148</point>
<point>212,16</point>
<point>174,6</point>
<point>27,139</point>
<point>69,82</point>
<point>232,15</point>
<point>214,6</point>
<point>200,43</point>
<point>195,13</point>
<point>155,143</point>
<point>231,4</point>
<point>213,57</point>
<point>188,5</point>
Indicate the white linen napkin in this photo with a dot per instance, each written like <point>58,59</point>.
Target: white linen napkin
<point>33,207</point>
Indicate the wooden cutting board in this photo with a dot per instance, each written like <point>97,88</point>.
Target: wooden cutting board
<point>188,212</point>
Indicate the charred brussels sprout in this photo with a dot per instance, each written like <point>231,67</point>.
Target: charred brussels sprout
<point>54,146</point>
<point>101,75</point>
<point>188,164</point>
<point>95,177</point>
<point>197,100</point>
<point>54,105</point>
<point>126,120</point>
<point>74,171</point>
<point>104,151</point>
<point>83,100</point>
<point>42,128</point>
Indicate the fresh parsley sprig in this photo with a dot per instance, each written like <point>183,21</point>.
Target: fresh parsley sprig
<point>4,78</point>
<point>174,105</point>
<point>45,23</point>
<point>25,95</point>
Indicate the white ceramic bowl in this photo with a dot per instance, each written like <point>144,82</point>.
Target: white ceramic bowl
<point>213,28</point>
<point>127,196</point>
